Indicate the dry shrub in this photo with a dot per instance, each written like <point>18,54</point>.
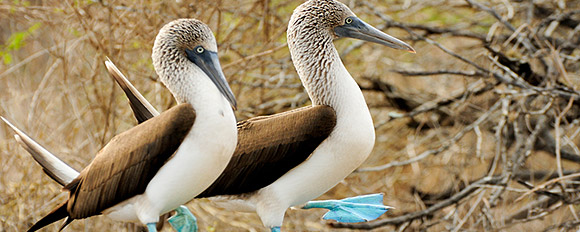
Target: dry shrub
<point>492,92</point>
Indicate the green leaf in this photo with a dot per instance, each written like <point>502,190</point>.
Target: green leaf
<point>7,58</point>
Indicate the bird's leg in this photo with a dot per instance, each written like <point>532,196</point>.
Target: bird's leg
<point>183,220</point>
<point>152,227</point>
<point>353,209</point>
<point>275,229</point>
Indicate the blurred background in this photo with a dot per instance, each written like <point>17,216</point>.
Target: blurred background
<point>478,131</point>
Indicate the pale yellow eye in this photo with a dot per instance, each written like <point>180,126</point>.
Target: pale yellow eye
<point>199,50</point>
<point>348,20</point>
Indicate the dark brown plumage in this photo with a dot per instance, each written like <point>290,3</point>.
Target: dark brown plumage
<point>124,167</point>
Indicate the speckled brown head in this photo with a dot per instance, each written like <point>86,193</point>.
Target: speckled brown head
<point>322,14</point>
<point>333,19</point>
<point>181,45</point>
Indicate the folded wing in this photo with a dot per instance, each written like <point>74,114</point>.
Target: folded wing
<point>269,146</point>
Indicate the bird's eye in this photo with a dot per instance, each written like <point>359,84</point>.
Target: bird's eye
<point>348,21</point>
<point>199,50</point>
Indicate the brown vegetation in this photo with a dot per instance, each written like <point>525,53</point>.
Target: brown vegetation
<point>477,131</point>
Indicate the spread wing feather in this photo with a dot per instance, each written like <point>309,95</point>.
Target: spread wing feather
<point>51,165</point>
<point>142,109</point>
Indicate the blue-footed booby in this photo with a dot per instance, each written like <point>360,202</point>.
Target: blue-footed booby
<point>165,162</point>
<point>289,158</point>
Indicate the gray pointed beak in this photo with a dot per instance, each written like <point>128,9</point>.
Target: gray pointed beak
<point>210,64</point>
<point>358,29</point>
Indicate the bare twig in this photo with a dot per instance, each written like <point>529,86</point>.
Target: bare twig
<point>558,136</point>
<point>476,73</point>
<point>566,177</point>
<point>474,89</point>
<point>468,214</point>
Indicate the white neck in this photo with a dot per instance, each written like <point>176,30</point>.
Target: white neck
<point>190,84</point>
<point>325,78</point>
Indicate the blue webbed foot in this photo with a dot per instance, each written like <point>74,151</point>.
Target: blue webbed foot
<point>275,229</point>
<point>183,220</point>
<point>152,227</point>
<point>353,209</point>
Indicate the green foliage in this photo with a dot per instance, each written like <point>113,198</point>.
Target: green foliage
<point>74,32</point>
<point>16,41</point>
<point>21,3</point>
<point>58,10</point>
<point>439,16</point>
<point>136,44</point>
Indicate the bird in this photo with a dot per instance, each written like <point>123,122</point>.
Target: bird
<point>288,159</point>
<point>312,28</point>
<point>165,162</point>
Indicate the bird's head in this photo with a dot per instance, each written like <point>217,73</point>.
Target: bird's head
<point>184,42</point>
<point>337,20</point>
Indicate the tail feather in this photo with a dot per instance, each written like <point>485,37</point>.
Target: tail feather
<point>56,214</point>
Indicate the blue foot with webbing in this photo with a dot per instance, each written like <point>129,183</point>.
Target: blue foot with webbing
<point>353,209</point>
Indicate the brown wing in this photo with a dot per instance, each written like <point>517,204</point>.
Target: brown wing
<point>270,146</point>
<point>124,167</point>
